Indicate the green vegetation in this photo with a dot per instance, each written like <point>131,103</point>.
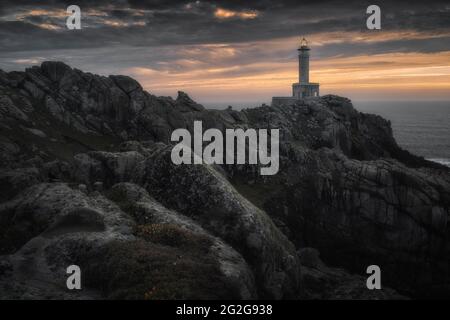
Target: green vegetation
<point>144,270</point>
<point>174,236</point>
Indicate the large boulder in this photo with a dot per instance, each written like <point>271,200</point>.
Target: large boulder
<point>50,227</point>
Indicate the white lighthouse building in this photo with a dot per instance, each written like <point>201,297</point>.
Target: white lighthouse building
<point>303,88</point>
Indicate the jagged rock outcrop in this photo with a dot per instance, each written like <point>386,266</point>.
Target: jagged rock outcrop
<point>204,194</point>
<point>51,226</point>
<point>361,212</point>
<point>86,178</point>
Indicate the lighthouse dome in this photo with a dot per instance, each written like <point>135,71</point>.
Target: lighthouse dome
<point>304,43</point>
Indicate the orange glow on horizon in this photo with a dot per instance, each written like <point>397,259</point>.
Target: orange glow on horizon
<point>404,73</point>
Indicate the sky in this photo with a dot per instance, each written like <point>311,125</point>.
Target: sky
<point>240,51</point>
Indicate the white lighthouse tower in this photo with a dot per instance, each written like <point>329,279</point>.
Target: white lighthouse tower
<point>303,62</point>
<point>303,88</point>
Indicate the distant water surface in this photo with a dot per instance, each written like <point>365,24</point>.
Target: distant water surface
<point>423,128</point>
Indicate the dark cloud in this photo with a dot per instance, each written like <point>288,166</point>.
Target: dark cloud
<point>121,34</point>
<point>162,22</point>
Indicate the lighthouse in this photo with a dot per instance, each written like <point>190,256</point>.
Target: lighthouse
<point>303,88</point>
<point>303,62</point>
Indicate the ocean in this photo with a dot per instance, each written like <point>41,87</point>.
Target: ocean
<point>421,127</point>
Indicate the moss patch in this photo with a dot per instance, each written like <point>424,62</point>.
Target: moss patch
<point>145,270</point>
<point>174,236</point>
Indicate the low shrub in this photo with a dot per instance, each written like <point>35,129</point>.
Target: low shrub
<point>144,270</point>
<point>174,236</point>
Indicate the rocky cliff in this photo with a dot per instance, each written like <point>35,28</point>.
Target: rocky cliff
<point>86,178</point>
